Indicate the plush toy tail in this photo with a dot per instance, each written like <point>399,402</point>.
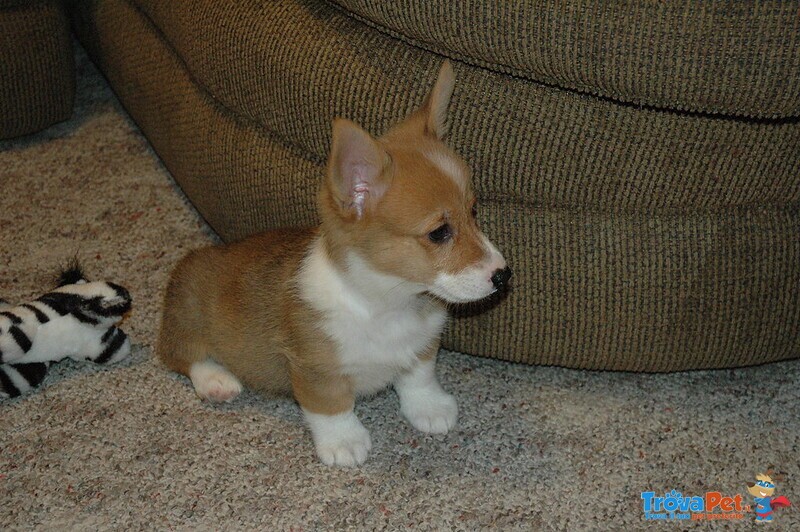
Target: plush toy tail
<point>17,379</point>
<point>72,274</point>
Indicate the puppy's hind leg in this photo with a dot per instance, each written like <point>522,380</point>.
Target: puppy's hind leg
<point>188,355</point>
<point>213,382</point>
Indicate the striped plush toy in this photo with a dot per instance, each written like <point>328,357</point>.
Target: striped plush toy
<point>76,320</point>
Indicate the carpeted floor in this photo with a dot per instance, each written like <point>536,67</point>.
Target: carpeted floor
<point>130,447</point>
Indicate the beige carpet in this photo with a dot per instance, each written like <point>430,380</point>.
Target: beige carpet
<point>130,447</point>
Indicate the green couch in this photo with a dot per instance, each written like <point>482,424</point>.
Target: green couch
<point>638,163</point>
<point>37,72</point>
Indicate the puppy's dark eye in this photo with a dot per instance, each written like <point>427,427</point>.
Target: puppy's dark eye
<point>440,234</point>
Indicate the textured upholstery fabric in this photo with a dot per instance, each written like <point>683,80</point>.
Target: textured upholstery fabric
<point>641,239</point>
<point>303,63</point>
<point>37,73</point>
<point>719,57</point>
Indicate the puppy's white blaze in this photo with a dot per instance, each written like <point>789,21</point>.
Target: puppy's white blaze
<point>449,166</point>
<point>472,283</point>
<point>339,439</point>
<point>495,259</point>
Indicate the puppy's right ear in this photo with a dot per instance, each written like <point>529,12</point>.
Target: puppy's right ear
<point>430,119</point>
<point>438,100</point>
<point>356,168</point>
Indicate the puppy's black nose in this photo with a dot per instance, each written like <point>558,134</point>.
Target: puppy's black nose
<point>500,278</point>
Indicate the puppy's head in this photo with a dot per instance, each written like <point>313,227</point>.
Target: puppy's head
<point>404,204</point>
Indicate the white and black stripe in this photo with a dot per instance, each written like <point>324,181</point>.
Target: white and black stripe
<point>21,338</point>
<point>41,317</point>
<point>75,320</point>
<point>17,379</point>
<point>113,340</point>
<point>11,316</point>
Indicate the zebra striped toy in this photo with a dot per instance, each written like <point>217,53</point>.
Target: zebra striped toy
<point>76,320</point>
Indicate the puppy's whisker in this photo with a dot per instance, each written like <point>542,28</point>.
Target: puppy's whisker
<point>395,287</point>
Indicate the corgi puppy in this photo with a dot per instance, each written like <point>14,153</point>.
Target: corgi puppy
<point>344,309</point>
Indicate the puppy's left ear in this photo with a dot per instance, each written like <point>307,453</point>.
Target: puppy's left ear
<point>435,106</point>
<point>356,169</point>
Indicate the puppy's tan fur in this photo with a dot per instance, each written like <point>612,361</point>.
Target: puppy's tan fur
<point>243,305</point>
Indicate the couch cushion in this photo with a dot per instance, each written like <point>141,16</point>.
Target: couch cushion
<point>291,67</point>
<point>37,72</point>
<point>732,57</point>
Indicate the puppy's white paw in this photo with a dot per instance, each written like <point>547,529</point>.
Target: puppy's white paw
<point>423,402</point>
<point>347,452</point>
<point>340,439</point>
<point>432,412</point>
<point>213,382</point>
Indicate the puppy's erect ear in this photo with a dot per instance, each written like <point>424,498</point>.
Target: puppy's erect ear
<point>435,106</point>
<point>356,168</point>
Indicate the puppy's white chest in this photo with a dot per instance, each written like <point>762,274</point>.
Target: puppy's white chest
<point>374,351</point>
<point>379,324</point>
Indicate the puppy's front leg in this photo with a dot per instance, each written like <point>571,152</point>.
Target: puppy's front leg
<point>422,401</point>
<point>327,403</point>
